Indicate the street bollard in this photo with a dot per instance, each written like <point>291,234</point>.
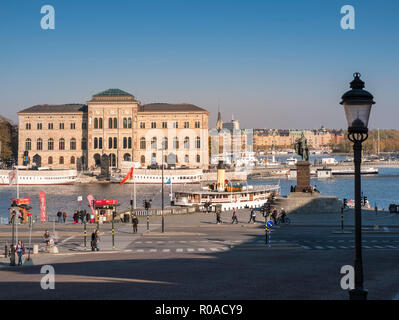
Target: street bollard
<point>85,235</point>
<point>6,250</point>
<point>342,219</point>
<point>113,234</point>
<point>148,222</point>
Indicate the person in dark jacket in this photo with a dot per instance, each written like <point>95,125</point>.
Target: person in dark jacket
<point>75,217</point>
<point>135,222</point>
<point>218,217</point>
<point>234,218</point>
<point>64,216</point>
<point>94,240</point>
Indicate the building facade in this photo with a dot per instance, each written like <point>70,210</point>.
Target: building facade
<point>115,124</point>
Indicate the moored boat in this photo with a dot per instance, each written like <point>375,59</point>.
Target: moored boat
<point>39,177</point>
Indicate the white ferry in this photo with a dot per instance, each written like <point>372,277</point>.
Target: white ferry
<point>253,197</point>
<point>154,176</point>
<point>227,195</point>
<point>39,177</point>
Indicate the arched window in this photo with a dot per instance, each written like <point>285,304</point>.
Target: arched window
<point>198,142</point>
<point>110,123</point>
<point>95,123</point>
<point>186,143</point>
<point>50,160</point>
<point>39,144</point>
<point>154,143</point>
<point>95,146</point>
<point>124,142</point>
<point>115,123</point>
<point>186,158</point>
<point>129,142</point>
<point>112,160</point>
<point>127,157</point>
<point>115,143</point>
<point>61,144</point>
<point>50,144</point>
<point>72,160</point>
<point>164,143</point>
<point>124,123</point>
<point>175,143</point>
<point>100,123</point>
<point>28,144</point>
<point>142,159</point>
<point>198,158</point>
<point>109,143</point>
<point>129,123</point>
<point>100,143</point>
<point>142,144</point>
<point>61,160</point>
<point>73,144</point>
<point>84,144</point>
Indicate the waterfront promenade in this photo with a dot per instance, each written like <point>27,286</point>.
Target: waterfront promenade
<point>197,259</point>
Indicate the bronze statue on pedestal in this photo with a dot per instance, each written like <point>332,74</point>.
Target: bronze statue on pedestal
<point>301,148</point>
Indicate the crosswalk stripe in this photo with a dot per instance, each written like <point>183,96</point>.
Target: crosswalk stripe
<point>153,250</point>
<point>393,247</point>
<point>179,250</point>
<point>331,247</point>
<point>367,247</point>
<point>201,249</point>
<point>190,249</point>
<point>342,247</point>
<point>166,250</point>
<point>214,249</point>
<point>306,247</point>
<point>318,247</point>
<point>378,247</point>
<point>139,250</point>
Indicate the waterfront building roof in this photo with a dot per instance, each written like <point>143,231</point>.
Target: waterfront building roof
<point>52,108</point>
<point>167,107</point>
<point>113,95</point>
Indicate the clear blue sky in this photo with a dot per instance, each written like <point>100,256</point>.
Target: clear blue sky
<point>282,63</point>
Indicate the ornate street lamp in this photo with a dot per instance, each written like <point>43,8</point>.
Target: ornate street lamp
<point>357,104</point>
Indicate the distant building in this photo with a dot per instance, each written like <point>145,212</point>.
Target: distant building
<point>115,124</point>
<point>231,126</point>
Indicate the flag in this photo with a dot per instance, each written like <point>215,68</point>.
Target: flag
<point>128,176</point>
<point>12,176</point>
<point>169,181</point>
<point>43,210</point>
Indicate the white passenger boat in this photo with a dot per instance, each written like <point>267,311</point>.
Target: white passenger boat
<point>247,198</point>
<point>39,177</point>
<point>154,176</point>
<point>226,195</point>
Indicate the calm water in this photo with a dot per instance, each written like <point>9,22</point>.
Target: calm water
<point>382,190</point>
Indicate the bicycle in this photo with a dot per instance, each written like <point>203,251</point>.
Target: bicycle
<point>286,220</point>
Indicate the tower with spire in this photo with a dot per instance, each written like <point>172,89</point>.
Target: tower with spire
<point>219,122</point>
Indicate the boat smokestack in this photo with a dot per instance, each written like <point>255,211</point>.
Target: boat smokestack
<point>220,180</point>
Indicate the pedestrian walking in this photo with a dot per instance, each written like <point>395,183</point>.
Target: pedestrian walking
<point>20,252</point>
<point>59,215</point>
<point>218,217</point>
<point>274,215</point>
<point>75,216</point>
<point>94,240</point>
<point>252,216</point>
<point>234,218</point>
<point>64,216</point>
<point>87,216</point>
<point>46,238</point>
<point>135,222</point>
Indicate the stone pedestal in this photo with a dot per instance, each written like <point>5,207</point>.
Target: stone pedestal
<point>303,176</point>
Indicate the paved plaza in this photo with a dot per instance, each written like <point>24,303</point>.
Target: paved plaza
<point>198,259</point>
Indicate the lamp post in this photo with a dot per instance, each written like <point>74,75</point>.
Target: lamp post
<point>162,206</point>
<point>357,104</point>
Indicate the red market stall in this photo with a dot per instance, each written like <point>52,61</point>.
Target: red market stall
<point>104,209</point>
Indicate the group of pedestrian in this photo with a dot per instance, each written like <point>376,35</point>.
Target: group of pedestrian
<point>61,216</point>
<point>19,250</point>
<point>252,216</point>
<point>83,216</point>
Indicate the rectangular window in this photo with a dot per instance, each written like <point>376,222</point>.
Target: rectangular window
<point>175,125</point>
<point>186,125</point>
<point>164,125</point>
<point>153,125</point>
<point>142,125</point>
<point>197,124</point>
<point>50,126</point>
<point>84,125</point>
<point>61,126</point>
<point>73,126</point>
<point>27,126</point>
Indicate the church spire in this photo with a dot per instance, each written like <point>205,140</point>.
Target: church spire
<point>219,123</point>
